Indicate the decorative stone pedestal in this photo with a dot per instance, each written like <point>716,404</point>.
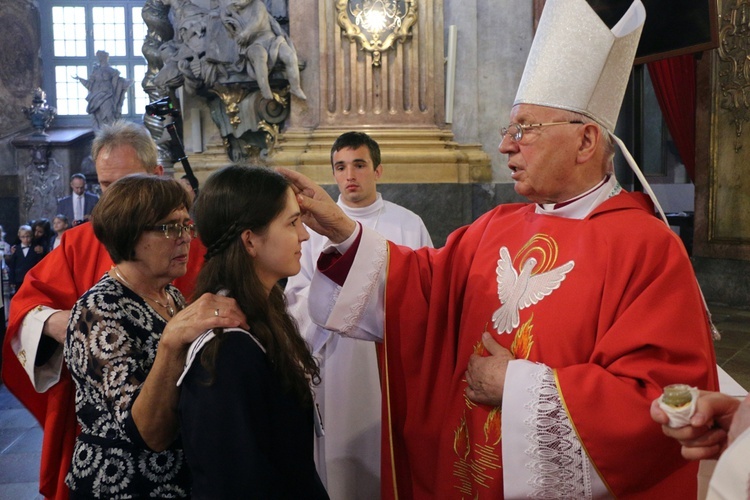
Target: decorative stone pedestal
<point>409,155</point>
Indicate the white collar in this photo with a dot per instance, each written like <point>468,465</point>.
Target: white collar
<point>582,205</point>
<point>204,339</point>
<point>360,212</point>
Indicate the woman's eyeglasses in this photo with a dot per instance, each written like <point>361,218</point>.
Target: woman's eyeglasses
<point>174,231</point>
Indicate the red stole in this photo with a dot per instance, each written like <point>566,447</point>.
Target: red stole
<point>627,320</point>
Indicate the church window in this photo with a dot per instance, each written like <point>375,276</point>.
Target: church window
<point>72,33</point>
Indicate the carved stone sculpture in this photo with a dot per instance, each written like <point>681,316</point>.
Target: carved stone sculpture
<point>261,43</point>
<point>106,91</point>
<point>156,17</point>
<point>227,54</point>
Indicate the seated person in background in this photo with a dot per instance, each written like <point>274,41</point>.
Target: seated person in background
<point>246,408</point>
<point>719,428</point>
<point>22,258</point>
<point>41,233</point>
<point>60,224</point>
<point>126,345</point>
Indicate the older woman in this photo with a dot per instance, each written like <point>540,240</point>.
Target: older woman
<point>126,345</point>
<point>246,406</point>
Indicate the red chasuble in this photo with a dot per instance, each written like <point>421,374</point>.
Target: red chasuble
<point>57,282</point>
<point>626,320</point>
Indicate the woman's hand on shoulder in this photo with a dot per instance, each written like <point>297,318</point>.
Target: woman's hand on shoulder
<point>209,311</point>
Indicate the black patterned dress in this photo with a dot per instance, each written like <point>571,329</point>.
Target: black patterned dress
<point>109,349</point>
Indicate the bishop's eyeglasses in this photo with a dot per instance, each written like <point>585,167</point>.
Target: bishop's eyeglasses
<point>515,130</point>
<point>174,231</point>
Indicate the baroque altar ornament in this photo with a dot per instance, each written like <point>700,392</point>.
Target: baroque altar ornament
<point>236,56</point>
<point>734,65</point>
<point>40,113</point>
<point>376,24</point>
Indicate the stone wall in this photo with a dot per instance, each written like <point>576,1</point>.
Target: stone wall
<point>494,39</point>
<point>20,74</point>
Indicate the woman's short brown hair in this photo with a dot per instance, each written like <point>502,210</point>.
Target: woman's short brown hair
<point>129,206</point>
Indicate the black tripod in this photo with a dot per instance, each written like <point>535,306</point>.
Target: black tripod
<point>161,109</point>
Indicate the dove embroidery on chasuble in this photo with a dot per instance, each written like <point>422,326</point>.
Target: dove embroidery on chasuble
<point>523,281</point>
<point>518,291</point>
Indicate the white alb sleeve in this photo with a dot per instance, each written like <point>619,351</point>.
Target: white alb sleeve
<point>357,308</point>
<point>542,455</point>
<point>26,344</point>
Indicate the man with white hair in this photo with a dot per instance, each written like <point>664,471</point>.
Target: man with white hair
<point>520,360</point>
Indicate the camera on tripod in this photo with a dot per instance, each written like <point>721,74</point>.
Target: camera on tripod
<point>161,108</point>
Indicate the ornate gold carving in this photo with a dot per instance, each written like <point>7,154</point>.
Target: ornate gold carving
<point>734,65</point>
<point>272,134</point>
<point>230,96</point>
<point>376,24</point>
<point>413,155</point>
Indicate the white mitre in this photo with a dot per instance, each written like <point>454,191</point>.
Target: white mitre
<point>578,64</point>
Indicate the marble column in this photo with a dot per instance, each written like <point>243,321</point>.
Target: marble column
<point>400,102</point>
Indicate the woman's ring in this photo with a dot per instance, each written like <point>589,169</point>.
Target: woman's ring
<point>216,312</point>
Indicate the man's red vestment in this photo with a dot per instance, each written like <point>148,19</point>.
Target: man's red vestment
<point>627,320</point>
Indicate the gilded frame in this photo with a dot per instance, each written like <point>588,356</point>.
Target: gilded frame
<point>349,17</point>
<point>722,221</point>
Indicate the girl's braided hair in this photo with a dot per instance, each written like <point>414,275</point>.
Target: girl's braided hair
<point>233,200</point>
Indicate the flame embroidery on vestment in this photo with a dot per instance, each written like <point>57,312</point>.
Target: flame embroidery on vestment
<point>461,440</point>
<point>492,432</point>
<point>522,281</point>
<point>476,464</point>
<point>522,342</point>
<point>479,346</point>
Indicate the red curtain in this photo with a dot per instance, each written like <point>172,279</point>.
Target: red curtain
<point>674,82</point>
